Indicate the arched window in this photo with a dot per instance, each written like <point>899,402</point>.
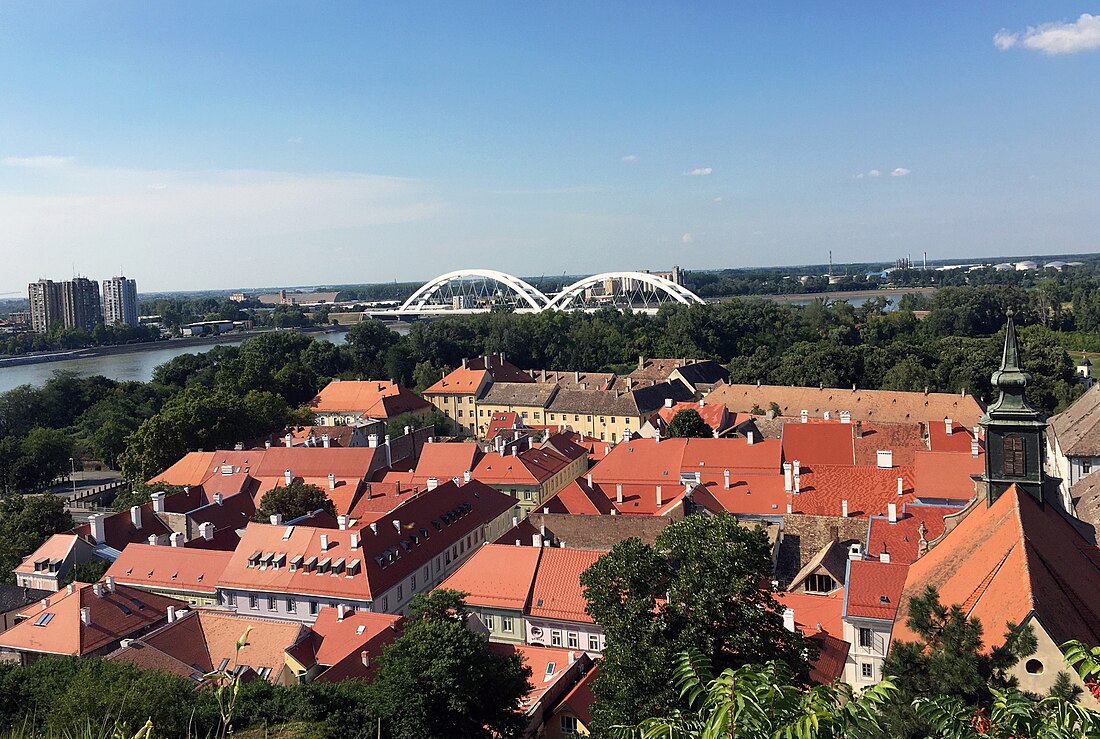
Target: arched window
<point>1014,456</point>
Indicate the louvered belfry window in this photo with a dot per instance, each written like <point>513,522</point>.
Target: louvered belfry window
<point>1014,456</point>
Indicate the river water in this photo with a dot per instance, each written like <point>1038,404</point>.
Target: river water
<point>133,366</point>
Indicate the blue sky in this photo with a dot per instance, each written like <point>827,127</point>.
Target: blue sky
<point>210,145</point>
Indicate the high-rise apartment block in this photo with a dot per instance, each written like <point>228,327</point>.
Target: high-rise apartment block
<point>45,305</point>
<point>70,304</point>
<point>120,301</point>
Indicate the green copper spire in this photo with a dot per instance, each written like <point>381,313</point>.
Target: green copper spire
<point>1010,379</point>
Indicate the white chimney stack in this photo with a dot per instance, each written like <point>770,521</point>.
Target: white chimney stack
<point>885,556</point>
<point>70,588</point>
<point>326,441</point>
<point>276,519</point>
<point>341,612</point>
<point>288,440</point>
<point>158,501</point>
<point>788,477</point>
<point>372,440</point>
<point>342,522</point>
<point>109,581</point>
<point>206,531</point>
<point>844,508</point>
<point>324,542</point>
<point>331,481</point>
<point>135,517</point>
<point>433,483</point>
<point>948,426</point>
<point>797,468</point>
<point>892,512</point>
<point>845,417</point>
<point>804,416</point>
<point>668,402</point>
<point>975,448</point>
<point>289,477</point>
<point>364,657</point>
<point>659,500</point>
<point>750,436</point>
<point>726,479</point>
<point>97,527</point>
<point>152,540</point>
<point>788,619</point>
<point>353,540</point>
<point>218,498</point>
<point>827,415</point>
<point>536,540</point>
<point>618,492</point>
<point>97,589</point>
<point>171,614</point>
<point>466,477</point>
<point>901,486</point>
<point>885,458</point>
<point>86,616</point>
<point>589,478</point>
<point>176,539</point>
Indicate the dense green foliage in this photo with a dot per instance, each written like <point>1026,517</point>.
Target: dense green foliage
<point>58,338</point>
<point>699,588</point>
<point>688,424</point>
<point>293,501</point>
<point>441,679</point>
<point>25,522</point>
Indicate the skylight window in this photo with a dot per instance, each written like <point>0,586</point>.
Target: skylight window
<point>44,619</point>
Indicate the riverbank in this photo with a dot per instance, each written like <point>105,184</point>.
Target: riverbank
<point>892,293</point>
<point>234,337</point>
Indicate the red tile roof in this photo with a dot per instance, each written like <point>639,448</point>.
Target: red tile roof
<point>57,549</point>
<point>946,474</point>
<point>957,441</point>
<point>867,489</point>
<point>497,576</point>
<point>579,700</point>
<point>547,664</point>
<point>818,618</point>
<point>747,494</point>
<point>413,517</point>
<point>903,439</point>
<point>651,462</point>
<point>467,380</point>
<point>373,398</point>
<point>902,538</point>
<point>557,591</point>
<point>819,443</point>
<point>529,467</point>
<point>340,643</point>
<point>119,529</point>
<point>114,615</point>
<point>445,461</point>
<point>713,414</point>
<point>502,421</point>
<point>1006,560</point>
<point>578,497</point>
<point>169,568</point>
<point>874,588</point>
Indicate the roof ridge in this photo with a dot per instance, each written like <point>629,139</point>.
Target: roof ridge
<point>972,601</point>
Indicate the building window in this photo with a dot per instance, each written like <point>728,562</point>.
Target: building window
<point>412,584</point>
<point>818,583</point>
<point>253,602</point>
<point>506,624</point>
<point>867,670</point>
<point>593,643</point>
<point>866,638</point>
<point>576,418</point>
<point>1086,466</point>
<point>555,638</point>
<point>1014,464</point>
<point>538,415</point>
<point>271,603</point>
<point>523,414</point>
<point>460,413</point>
<point>313,608</point>
<point>590,419</point>
<point>527,495</point>
<point>385,603</point>
<point>231,599</point>
<point>489,622</point>
<point>613,437</point>
<point>291,606</point>
<point>399,594</point>
<point>568,725</point>
<point>572,640</point>
<point>551,416</point>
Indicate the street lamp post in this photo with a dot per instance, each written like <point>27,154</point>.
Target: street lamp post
<point>72,462</point>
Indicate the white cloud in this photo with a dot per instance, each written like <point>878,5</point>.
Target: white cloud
<point>156,187</point>
<point>687,238</point>
<point>38,162</point>
<point>718,199</point>
<point>630,158</point>
<point>874,173</point>
<point>1058,37</point>
<point>860,176</point>
<point>698,172</point>
<point>900,172</point>
<point>294,140</point>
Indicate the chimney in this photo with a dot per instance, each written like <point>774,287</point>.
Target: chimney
<point>657,436</point>
<point>464,363</point>
<point>45,603</point>
<point>69,589</point>
<point>659,501</point>
<point>218,498</point>
<point>324,542</point>
<point>797,467</point>
<point>341,612</point>
<point>668,402</point>
<point>97,589</point>
<point>748,436</point>
<point>372,440</point>
<point>374,527</point>
<point>109,581</point>
<point>892,512</point>
<point>158,502</point>
<point>135,517</point>
<point>364,657</point>
<point>885,458</point>
<point>845,417</point>
<point>641,361</point>
<point>901,486</point>
<point>206,531</point>
<point>885,556</point>
<point>342,522</point>
<point>466,477</point>
<point>618,492</point>
<point>389,453</point>
<point>788,477</point>
<point>788,619</point>
<point>948,426</point>
<point>175,539</point>
<point>855,551</point>
<point>827,416</point>
<point>975,448</point>
<point>844,508</point>
<point>326,441</point>
<point>353,540</point>
<point>267,444</point>
<point>514,449</point>
<point>797,484</point>
<point>396,524</point>
<point>805,416</point>
<point>589,478</point>
<point>289,477</point>
<point>331,481</point>
<point>536,540</point>
<point>171,614</point>
<point>433,483</point>
<point>86,616</point>
<point>288,440</point>
<point>726,479</point>
<point>97,526</point>
<point>790,509</point>
<point>152,540</point>
<point>276,519</point>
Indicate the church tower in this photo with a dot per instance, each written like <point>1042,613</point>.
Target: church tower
<point>1014,442</point>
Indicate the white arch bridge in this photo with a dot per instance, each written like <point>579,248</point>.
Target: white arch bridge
<point>467,291</point>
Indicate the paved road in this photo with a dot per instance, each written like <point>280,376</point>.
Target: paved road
<point>85,481</point>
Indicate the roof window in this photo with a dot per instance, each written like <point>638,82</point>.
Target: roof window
<point>44,619</point>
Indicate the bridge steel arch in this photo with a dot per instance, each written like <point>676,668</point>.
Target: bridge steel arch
<point>679,293</point>
<point>527,292</point>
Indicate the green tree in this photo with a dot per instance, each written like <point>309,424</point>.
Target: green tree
<point>439,423</point>
<point>688,424</point>
<point>43,456</point>
<point>140,494</point>
<point>949,660</point>
<point>698,588</point>
<point>293,501</point>
<point>25,522</point>
<point>440,679</point>
<point>760,701</point>
<point>91,571</point>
